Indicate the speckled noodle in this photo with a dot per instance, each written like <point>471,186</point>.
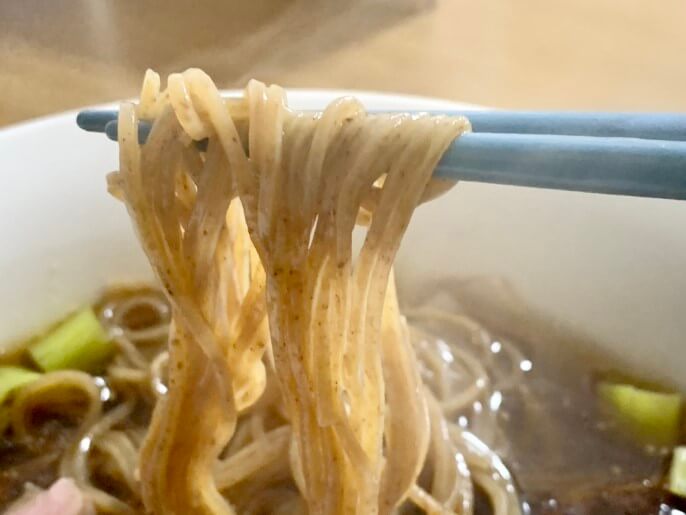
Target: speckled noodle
<point>293,382</point>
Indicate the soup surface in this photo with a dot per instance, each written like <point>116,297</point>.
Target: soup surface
<point>531,393</point>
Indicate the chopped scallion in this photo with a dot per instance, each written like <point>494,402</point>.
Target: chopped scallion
<point>677,472</point>
<point>12,378</point>
<point>651,416</point>
<point>78,343</point>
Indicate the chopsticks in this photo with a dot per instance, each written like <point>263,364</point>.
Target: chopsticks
<point>661,126</point>
<point>619,166</point>
<point>637,154</point>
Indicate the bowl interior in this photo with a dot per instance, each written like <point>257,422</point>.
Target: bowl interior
<point>611,266</point>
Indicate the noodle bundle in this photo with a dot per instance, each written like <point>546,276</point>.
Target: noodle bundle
<point>292,384</point>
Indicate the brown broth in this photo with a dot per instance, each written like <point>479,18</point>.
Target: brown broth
<point>567,455</point>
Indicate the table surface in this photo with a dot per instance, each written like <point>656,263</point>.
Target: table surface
<point>539,54</point>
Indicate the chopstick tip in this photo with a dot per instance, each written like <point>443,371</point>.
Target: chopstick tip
<point>111,130</point>
<point>95,120</point>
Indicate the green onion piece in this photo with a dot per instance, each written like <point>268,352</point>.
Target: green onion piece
<point>651,416</point>
<point>78,343</point>
<point>12,378</point>
<point>677,472</point>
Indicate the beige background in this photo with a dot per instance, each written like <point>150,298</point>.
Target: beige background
<point>571,54</point>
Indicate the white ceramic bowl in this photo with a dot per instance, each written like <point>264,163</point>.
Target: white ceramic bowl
<point>612,266</point>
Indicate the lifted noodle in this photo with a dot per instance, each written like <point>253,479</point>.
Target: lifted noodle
<point>281,335</point>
